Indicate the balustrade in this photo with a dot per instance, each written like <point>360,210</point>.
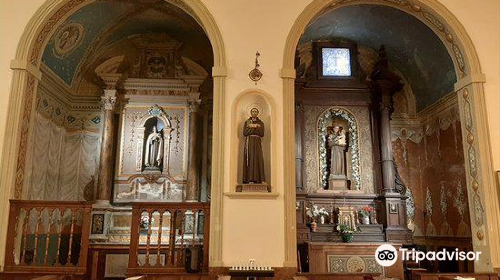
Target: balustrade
<point>47,237</point>
<point>169,238</point>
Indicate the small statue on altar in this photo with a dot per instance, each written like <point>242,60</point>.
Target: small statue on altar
<point>338,144</point>
<point>154,150</point>
<point>253,165</point>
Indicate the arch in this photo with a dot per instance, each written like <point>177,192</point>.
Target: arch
<point>26,74</point>
<point>480,179</point>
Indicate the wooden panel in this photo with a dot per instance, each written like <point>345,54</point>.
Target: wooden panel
<point>318,256</point>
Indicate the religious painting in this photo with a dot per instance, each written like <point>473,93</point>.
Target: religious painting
<point>68,38</point>
<point>97,224</point>
<point>338,150</point>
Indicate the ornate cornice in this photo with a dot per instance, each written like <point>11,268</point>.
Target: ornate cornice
<point>58,90</point>
<point>439,115</point>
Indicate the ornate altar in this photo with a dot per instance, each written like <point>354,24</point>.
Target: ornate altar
<point>345,186</point>
<point>158,93</point>
<point>161,93</point>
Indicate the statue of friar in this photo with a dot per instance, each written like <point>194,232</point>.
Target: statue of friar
<point>253,165</point>
<point>154,150</point>
<point>338,143</point>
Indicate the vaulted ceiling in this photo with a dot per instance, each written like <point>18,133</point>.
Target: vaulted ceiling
<point>107,22</point>
<point>411,46</point>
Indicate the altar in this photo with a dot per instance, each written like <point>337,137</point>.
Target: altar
<point>349,200</point>
<point>326,257</point>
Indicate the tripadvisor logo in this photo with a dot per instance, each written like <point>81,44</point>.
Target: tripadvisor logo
<point>387,255</point>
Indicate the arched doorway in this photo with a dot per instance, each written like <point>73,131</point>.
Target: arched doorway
<point>47,22</point>
<point>468,87</point>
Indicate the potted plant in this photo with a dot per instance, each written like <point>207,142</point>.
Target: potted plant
<point>365,213</point>
<point>346,233</point>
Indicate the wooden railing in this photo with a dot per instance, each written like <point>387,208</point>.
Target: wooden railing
<point>169,238</point>
<point>47,237</point>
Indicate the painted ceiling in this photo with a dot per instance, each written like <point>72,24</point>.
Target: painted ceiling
<point>105,22</point>
<point>411,46</point>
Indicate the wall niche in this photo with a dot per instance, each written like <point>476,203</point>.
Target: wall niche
<point>241,113</point>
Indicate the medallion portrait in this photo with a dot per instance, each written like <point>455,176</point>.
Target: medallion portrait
<point>68,38</point>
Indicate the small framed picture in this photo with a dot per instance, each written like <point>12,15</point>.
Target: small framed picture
<point>393,208</point>
<point>97,224</point>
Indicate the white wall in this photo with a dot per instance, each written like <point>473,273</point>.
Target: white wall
<point>254,228</point>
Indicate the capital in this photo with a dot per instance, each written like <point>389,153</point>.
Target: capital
<point>108,99</point>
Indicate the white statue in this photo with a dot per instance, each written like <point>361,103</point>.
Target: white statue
<point>154,150</point>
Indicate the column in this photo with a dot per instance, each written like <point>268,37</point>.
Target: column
<point>299,157</point>
<point>106,163</point>
<point>193,184</point>
<point>392,209</point>
<point>388,172</point>
<point>385,84</point>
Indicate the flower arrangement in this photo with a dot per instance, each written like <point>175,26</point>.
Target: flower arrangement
<point>316,211</point>
<point>366,211</point>
<point>145,222</point>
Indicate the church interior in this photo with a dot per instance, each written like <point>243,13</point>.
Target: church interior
<point>142,142</point>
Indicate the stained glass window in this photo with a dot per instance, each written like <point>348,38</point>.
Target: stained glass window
<point>336,62</point>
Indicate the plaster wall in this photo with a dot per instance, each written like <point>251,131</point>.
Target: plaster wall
<point>255,228</point>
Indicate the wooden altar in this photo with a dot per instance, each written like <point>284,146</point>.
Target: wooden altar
<point>344,117</point>
<point>358,257</point>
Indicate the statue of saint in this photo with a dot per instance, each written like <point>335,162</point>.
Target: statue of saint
<point>338,143</point>
<point>253,165</point>
<point>154,150</point>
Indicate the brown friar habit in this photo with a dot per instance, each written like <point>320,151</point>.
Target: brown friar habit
<point>253,165</point>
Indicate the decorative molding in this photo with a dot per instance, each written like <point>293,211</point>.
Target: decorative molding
<point>252,195</point>
<point>467,80</point>
<point>58,89</point>
<point>23,143</point>
<point>472,162</point>
<point>108,99</point>
<point>438,116</point>
<point>25,65</point>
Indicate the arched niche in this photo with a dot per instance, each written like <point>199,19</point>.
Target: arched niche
<point>240,112</point>
<point>164,126</point>
<point>341,117</point>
